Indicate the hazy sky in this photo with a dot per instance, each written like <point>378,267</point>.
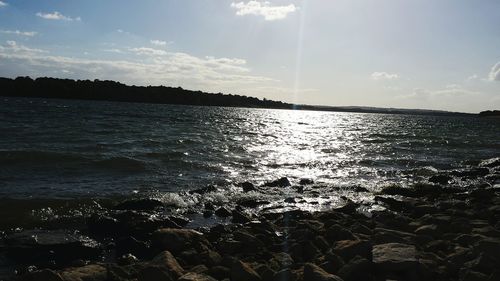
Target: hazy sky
<point>393,53</point>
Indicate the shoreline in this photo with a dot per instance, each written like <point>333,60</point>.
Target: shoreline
<point>427,232</point>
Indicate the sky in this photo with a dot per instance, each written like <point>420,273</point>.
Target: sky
<point>387,53</point>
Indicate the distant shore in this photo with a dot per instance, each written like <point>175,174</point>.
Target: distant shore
<point>434,231</point>
<point>115,91</point>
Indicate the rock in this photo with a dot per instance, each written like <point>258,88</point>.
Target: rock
<point>139,204</point>
<point>395,257</point>
<point>211,258</point>
<point>208,213</point>
<point>490,163</point>
<point>167,261</point>
<point>92,272</point>
<point>203,190</point>
<point>219,272</point>
<point>127,259</point>
<point>222,212</point>
<point>284,274</point>
<point>103,225</point>
<point>336,232</point>
<point>243,272</point>
<point>282,182</point>
<point>382,236</point>
<point>348,249</point>
<point>313,272</point>
<point>42,275</point>
<point>357,268</point>
<point>191,276</point>
<point>177,240</point>
<point>153,273</point>
<point>280,261</point>
<point>440,179</point>
<point>349,208</point>
<point>40,246</point>
<point>306,181</point>
<point>239,217</point>
<point>431,230</point>
<point>469,275</point>
<point>251,203</point>
<point>247,186</point>
<point>130,245</point>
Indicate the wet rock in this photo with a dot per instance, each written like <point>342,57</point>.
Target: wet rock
<point>127,259</point>
<point>92,272</point>
<point>430,230</point>
<point>219,272</point>
<point>191,276</point>
<point>145,204</point>
<point>208,213</point>
<point>348,249</point>
<point>153,273</point>
<point>313,272</point>
<point>490,163</point>
<point>177,240</point>
<point>472,174</point>
<point>167,261</point>
<point>203,190</point>
<point>306,181</point>
<point>40,246</point>
<point>222,212</point>
<point>239,217</point>
<point>395,257</point>
<point>130,245</point>
<point>290,200</point>
<point>382,236</point>
<point>336,232</point>
<point>243,272</point>
<point>282,182</point>
<point>248,186</point>
<point>252,203</point>
<point>440,179</point>
<point>349,208</point>
<point>211,258</point>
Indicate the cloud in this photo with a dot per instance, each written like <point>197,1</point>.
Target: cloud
<point>384,76</point>
<point>56,16</point>
<point>150,68</point>
<point>495,72</point>
<point>158,43</point>
<point>264,9</point>
<point>3,4</point>
<point>20,33</point>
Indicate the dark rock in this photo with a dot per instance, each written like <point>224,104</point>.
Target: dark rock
<point>177,240</point>
<point>357,268</point>
<point>290,200</point>
<point>127,259</point>
<point>306,181</point>
<point>348,249</point>
<point>252,203</point>
<point>103,225</point>
<point>440,179</point>
<point>42,275</point>
<point>490,163</point>
<point>209,206</point>
<point>201,268</point>
<point>336,232</point>
<point>191,276</point>
<point>284,274</point>
<point>223,212</point>
<point>219,272</point>
<point>153,273</point>
<point>40,246</point>
<point>93,272</point>
<point>146,204</point>
<point>382,236</point>
<point>469,275</point>
<point>247,186</point>
<point>130,245</point>
<point>313,272</point>
<point>243,272</point>
<point>167,262</point>
<point>265,272</point>
<point>203,190</point>
<point>349,208</point>
<point>282,182</point>
<point>430,230</point>
<point>208,213</point>
<point>239,217</point>
<point>395,257</point>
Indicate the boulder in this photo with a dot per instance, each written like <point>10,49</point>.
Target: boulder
<point>348,249</point>
<point>440,179</point>
<point>167,261</point>
<point>203,190</point>
<point>239,217</point>
<point>282,182</point>
<point>222,212</point>
<point>42,275</point>
<point>394,257</point>
<point>243,272</point>
<point>313,272</point>
<point>153,273</point>
<point>93,272</point>
<point>357,268</point>
<point>247,186</point>
<point>191,276</point>
<point>178,240</point>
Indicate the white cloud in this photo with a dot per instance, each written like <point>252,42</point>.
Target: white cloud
<point>384,76</point>
<point>20,33</point>
<point>56,16</point>
<point>264,9</point>
<point>161,68</point>
<point>472,77</point>
<point>3,4</point>
<point>158,43</point>
<point>495,72</point>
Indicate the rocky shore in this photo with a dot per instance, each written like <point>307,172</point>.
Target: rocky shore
<point>431,231</point>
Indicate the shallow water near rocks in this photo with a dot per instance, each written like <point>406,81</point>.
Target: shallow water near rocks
<point>62,158</point>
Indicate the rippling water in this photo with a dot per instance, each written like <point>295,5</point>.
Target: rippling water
<point>75,149</point>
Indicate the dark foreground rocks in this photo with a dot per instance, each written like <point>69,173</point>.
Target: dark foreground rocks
<point>432,231</point>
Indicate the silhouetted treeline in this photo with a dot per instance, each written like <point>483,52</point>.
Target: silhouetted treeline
<point>115,91</point>
<point>490,113</point>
